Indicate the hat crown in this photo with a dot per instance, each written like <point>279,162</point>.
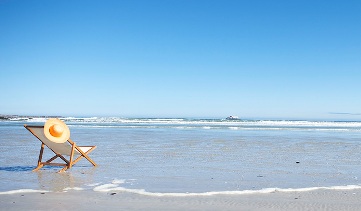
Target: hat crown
<point>56,130</point>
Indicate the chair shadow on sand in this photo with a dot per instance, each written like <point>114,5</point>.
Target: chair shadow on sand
<point>23,168</point>
<point>47,180</point>
<point>17,168</point>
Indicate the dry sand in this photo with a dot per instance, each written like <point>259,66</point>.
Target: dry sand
<point>89,200</point>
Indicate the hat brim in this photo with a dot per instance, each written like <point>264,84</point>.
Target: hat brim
<point>64,136</point>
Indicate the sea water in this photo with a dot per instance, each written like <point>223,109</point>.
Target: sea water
<point>188,156</point>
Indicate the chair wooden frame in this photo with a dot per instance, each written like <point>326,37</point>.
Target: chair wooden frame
<point>67,148</point>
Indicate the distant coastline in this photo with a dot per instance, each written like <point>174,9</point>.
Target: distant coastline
<point>9,117</point>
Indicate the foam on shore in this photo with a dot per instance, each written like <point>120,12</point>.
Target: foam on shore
<point>23,191</point>
<point>115,186</point>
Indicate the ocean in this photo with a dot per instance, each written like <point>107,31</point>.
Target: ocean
<point>184,156</point>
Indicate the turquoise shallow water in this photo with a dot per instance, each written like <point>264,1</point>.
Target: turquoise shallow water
<point>189,155</point>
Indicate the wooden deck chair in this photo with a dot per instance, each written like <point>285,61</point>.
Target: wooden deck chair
<point>68,148</point>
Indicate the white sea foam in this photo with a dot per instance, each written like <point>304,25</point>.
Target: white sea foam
<point>115,187</point>
<point>23,191</point>
<point>72,188</point>
<point>114,184</point>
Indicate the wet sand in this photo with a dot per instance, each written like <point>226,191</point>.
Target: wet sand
<point>89,200</point>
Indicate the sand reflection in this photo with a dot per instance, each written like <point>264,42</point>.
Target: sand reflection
<point>69,180</point>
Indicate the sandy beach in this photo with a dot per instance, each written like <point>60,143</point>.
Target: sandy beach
<point>200,166</point>
<point>310,200</point>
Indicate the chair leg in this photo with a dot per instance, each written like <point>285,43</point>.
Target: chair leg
<point>71,156</point>
<point>53,158</point>
<point>63,169</point>
<point>40,165</point>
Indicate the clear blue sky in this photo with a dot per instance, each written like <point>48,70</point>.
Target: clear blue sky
<point>181,58</point>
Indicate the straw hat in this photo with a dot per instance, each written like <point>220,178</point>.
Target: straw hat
<point>56,130</point>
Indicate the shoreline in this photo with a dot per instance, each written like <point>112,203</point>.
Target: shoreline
<point>115,200</point>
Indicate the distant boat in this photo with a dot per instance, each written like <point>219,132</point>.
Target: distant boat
<point>232,118</point>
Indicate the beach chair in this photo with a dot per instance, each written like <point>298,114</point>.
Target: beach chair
<point>67,148</point>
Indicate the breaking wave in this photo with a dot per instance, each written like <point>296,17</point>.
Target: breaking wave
<point>188,123</point>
